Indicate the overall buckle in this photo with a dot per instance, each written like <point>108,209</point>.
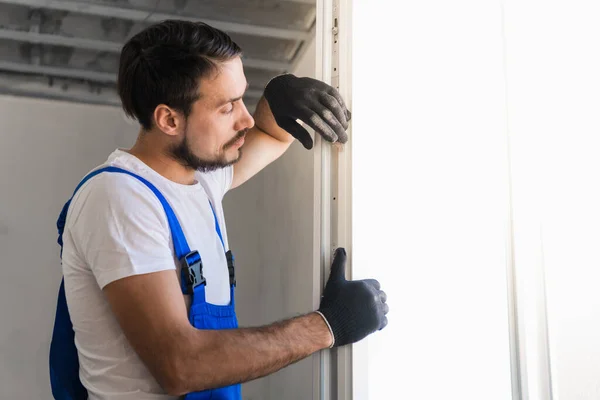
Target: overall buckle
<point>231,267</point>
<point>191,265</point>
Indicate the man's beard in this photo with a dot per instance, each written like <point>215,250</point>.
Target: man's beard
<point>183,154</point>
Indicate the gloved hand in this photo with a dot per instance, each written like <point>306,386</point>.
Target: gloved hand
<point>353,309</point>
<point>315,103</point>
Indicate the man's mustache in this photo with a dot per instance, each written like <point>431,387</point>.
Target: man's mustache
<point>237,137</point>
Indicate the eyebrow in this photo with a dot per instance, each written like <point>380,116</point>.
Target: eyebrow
<point>222,103</point>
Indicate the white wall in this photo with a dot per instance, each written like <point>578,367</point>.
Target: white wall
<point>462,77</point>
<point>429,198</point>
<point>45,149</point>
<point>270,228</point>
<point>553,65</point>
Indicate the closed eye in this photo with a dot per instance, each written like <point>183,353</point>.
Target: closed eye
<point>234,99</point>
<point>229,109</point>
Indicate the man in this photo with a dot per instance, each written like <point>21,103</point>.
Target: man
<point>151,320</point>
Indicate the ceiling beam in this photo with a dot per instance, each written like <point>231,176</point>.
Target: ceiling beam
<point>58,71</point>
<point>57,88</point>
<point>275,66</point>
<point>311,2</point>
<point>93,76</point>
<point>57,95</point>
<point>75,97</point>
<point>111,11</point>
<point>113,47</point>
<point>59,40</point>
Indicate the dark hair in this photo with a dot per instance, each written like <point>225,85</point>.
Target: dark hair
<point>163,64</point>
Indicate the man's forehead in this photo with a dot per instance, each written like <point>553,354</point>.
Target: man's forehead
<point>221,86</point>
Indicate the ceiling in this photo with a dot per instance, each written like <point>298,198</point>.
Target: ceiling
<point>69,49</point>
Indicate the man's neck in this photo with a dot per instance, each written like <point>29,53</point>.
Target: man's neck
<point>156,157</point>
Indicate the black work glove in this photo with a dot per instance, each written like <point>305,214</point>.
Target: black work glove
<point>353,309</point>
<point>313,102</point>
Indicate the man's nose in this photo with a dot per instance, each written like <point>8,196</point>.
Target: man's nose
<point>246,121</point>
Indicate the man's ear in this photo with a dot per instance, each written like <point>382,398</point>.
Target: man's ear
<point>168,120</point>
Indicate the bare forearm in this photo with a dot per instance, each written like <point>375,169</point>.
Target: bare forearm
<point>265,121</point>
<point>224,357</point>
<point>265,142</point>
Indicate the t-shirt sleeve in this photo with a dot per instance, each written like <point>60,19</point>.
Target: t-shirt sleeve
<point>218,182</point>
<point>227,179</point>
<point>120,228</point>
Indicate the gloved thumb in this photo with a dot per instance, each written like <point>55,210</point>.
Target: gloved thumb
<point>297,131</point>
<point>338,267</point>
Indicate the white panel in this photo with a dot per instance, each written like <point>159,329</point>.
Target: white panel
<point>430,198</point>
<point>46,147</point>
<point>554,97</point>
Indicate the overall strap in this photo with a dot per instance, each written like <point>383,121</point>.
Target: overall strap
<point>199,289</point>
<point>191,271</point>
<point>228,253</point>
<point>180,244</point>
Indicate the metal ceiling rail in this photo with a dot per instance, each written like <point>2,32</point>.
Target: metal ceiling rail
<point>114,47</point>
<point>58,71</point>
<point>56,95</point>
<point>76,97</point>
<point>111,11</point>
<point>59,40</point>
<point>275,66</point>
<point>94,76</point>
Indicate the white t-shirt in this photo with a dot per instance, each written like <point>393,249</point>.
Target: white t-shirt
<point>116,227</point>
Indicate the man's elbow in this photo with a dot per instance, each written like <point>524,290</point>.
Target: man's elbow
<point>181,372</point>
<point>172,386</point>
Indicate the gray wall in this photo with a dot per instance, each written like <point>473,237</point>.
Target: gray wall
<point>270,227</point>
<point>45,148</point>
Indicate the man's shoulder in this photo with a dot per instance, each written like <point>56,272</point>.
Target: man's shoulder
<point>110,193</point>
<point>216,182</point>
<point>112,185</point>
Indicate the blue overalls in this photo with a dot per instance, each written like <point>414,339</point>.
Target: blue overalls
<point>64,363</point>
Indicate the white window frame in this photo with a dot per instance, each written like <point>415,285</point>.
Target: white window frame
<point>332,182</point>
